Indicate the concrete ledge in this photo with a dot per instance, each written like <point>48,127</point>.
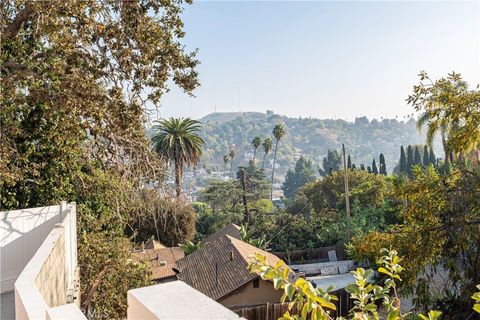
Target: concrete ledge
<point>174,300</point>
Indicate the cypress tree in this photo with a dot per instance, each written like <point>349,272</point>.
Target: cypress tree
<point>374,167</point>
<point>362,167</point>
<point>417,158</point>
<point>383,166</point>
<point>426,160</point>
<point>369,170</point>
<point>403,161</point>
<point>409,159</point>
<point>354,167</point>
<point>349,162</point>
<point>432,158</point>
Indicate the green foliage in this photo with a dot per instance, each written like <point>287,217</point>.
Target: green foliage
<point>450,107</point>
<point>190,247</point>
<point>267,147</point>
<point>294,180</point>
<point>177,140</point>
<point>332,162</point>
<point>307,302</point>
<point>329,193</point>
<point>70,131</point>
<point>383,165</point>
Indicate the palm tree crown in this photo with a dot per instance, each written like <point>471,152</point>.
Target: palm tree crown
<point>278,133</point>
<point>177,140</point>
<point>256,142</point>
<point>267,147</point>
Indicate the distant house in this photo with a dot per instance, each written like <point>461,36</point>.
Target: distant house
<point>231,230</point>
<point>162,262</point>
<point>219,269</point>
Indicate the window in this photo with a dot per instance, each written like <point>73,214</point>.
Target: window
<point>256,283</point>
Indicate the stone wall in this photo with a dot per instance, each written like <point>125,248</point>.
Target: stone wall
<point>51,280</point>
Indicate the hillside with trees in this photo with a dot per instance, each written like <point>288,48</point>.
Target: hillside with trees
<point>364,139</point>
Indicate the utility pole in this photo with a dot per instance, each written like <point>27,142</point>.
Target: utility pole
<point>345,174</point>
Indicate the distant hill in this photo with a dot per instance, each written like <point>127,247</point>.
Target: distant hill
<point>364,139</point>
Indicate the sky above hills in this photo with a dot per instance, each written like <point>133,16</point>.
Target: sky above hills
<point>323,59</point>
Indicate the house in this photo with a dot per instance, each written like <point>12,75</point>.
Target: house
<point>162,262</point>
<point>219,269</point>
<point>231,230</point>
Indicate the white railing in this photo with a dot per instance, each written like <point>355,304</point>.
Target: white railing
<point>21,234</point>
<point>43,285</point>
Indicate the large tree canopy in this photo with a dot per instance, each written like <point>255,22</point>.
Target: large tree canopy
<point>77,77</point>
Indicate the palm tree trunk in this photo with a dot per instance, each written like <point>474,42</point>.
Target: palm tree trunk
<point>254,154</point>
<point>231,169</point>
<point>273,169</point>
<point>178,178</point>
<point>263,163</point>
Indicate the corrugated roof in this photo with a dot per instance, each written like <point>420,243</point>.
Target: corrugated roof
<point>220,266</point>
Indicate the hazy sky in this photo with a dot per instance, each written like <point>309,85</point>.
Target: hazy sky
<point>323,59</point>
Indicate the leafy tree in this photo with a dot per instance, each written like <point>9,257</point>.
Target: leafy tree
<point>177,140</point>
<point>332,162</point>
<point>278,133</point>
<point>294,180</point>
<point>256,142</point>
<point>267,147</point>
<point>70,130</point>
<point>374,167</point>
<point>383,166</point>
<point>450,107</point>
<point>329,192</point>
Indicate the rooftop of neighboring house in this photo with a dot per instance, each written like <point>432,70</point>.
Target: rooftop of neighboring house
<point>162,261</point>
<point>231,230</point>
<point>220,266</point>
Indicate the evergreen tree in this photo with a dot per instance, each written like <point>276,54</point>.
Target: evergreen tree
<point>374,167</point>
<point>403,161</point>
<point>409,159</point>
<point>294,180</point>
<point>417,158</point>
<point>369,170</point>
<point>383,166</point>
<point>332,162</point>
<point>432,158</point>
<point>349,162</point>
<point>362,167</point>
<point>354,167</point>
<point>426,159</point>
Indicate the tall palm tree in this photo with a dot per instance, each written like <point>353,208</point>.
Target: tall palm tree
<point>267,147</point>
<point>278,133</point>
<point>177,140</point>
<point>232,155</point>
<point>225,161</point>
<point>256,142</point>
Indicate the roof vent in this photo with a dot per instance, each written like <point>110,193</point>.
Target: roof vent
<point>231,255</point>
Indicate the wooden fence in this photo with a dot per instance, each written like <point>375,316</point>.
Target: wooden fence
<point>273,311</point>
<point>310,254</point>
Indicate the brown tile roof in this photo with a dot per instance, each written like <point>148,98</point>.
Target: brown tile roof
<point>162,261</point>
<point>212,270</point>
<point>231,230</point>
